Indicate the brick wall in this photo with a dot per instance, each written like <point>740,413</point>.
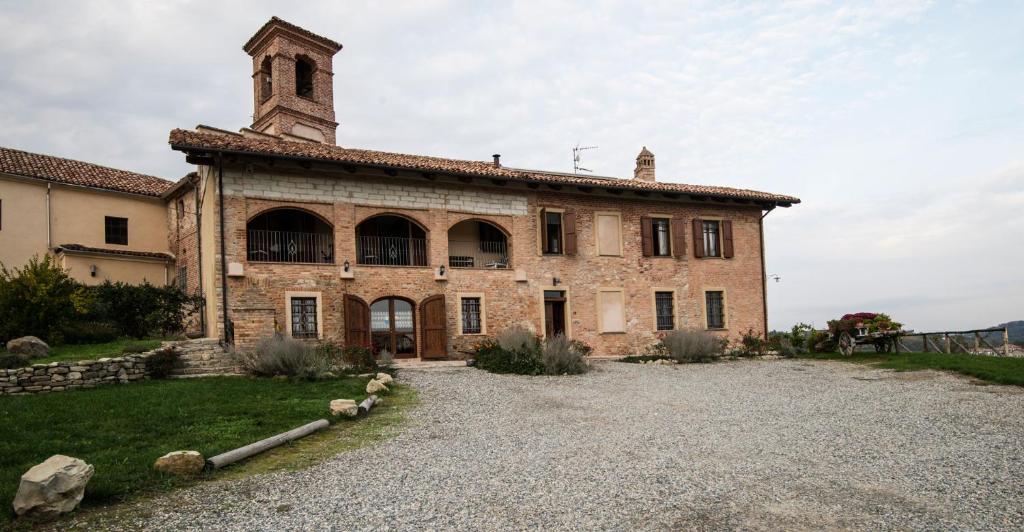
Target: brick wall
<point>346,200</point>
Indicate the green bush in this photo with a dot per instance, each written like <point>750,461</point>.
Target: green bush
<point>283,356</point>
<point>90,332</point>
<point>819,342</point>
<point>561,356</point>
<point>36,300</point>
<point>525,360</point>
<point>640,359</point>
<point>687,346</point>
<point>751,345</point>
<point>139,311</point>
<point>13,360</point>
<point>160,364</point>
<point>518,339</point>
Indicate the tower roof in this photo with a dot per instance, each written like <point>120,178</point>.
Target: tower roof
<point>645,151</point>
<point>277,25</point>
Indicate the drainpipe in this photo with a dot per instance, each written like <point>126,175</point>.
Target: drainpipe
<point>764,272</point>
<point>199,253</point>
<point>49,230</point>
<point>228,334</point>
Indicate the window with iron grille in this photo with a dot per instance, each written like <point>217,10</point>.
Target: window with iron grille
<point>183,278</point>
<point>471,321</point>
<point>715,304</point>
<point>665,311</point>
<point>711,238</point>
<point>304,317</point>
<point>116,230</point>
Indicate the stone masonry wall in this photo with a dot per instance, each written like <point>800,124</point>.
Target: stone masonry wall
<point>61,376</point>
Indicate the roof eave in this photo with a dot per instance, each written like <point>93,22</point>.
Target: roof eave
<point>763,203</point>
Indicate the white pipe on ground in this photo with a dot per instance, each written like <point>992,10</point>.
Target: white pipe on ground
<point>242,453</point>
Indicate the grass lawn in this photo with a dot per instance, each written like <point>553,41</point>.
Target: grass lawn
<point>75,352</point>
<point>121,430</point>
<point>1000,370</point>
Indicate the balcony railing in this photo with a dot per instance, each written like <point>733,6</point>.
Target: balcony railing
<point>289,246</point>
<point>391,251</point>
<point>477,254</point>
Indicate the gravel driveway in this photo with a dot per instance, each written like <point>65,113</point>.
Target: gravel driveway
<point>751,445</point>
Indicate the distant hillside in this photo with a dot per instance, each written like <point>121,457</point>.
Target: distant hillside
<point>1015,330</point>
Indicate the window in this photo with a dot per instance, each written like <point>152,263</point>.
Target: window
<point>183,278</point>
<point>304,68</point>
<point>304,317</point>
<point>660,238</point>
<point>664,310</point>
<point>714,307</point>
<point>711,238</point>
<point>609,233</point>
<point>472,317</point>
<point>611,311</point>
<point>266,79</point>
<point>116,230</point>
<point>552,221</point>
<point>181,208</point>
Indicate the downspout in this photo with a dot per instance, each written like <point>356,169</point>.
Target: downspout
<point>199,254</point>
<point>228,334</point>
<point>764,272</point>
<point>49,230</point>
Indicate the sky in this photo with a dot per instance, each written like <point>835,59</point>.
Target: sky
<point>900,124</point>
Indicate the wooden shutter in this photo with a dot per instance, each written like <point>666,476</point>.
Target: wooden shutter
<point>543,230</point>
<point>677,231</point>
<point>357,322</point>
<point>698,238</point>
<point>727,239</point>
<point>435,330</point>
<point>569,225</point>
<point>646,236</point>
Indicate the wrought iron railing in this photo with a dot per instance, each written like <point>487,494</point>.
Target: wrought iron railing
<point>290,246</point>
<point>391,251</point>
<point>477,254</point>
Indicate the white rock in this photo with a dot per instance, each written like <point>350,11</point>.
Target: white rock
<point>53,487</point>
<point>384,378</point>
<point>375,386</point>
<point>346,407</point>
<point>182,463</point>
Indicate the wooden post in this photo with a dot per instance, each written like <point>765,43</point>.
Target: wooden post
<point>241,453</point>
<point>1006,341</point>
<point>977,342</point>
<point>924,340</point>
<point>945,343</point>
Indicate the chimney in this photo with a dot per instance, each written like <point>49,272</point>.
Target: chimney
<point>644,170</point>
<point>497,160</point>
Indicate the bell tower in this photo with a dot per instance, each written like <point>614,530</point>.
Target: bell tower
<point>293,85</point>
<point>644,170</point>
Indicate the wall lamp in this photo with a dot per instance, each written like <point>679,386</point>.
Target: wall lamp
<point>346,267</point>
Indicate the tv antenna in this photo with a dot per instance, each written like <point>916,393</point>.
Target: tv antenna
<point>577,153</point>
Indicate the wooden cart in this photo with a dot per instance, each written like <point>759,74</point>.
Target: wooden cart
<point>884,341</point>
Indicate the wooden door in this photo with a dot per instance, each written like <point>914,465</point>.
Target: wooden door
<point>434,325</point>
<point>357,321</point>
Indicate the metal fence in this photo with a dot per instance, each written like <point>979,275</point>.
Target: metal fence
<point>290,246</point>
<point>391,251</point>
<point>478,254</point>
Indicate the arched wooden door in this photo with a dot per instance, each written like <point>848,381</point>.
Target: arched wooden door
<point>357,321</point>
<point>435,330</point>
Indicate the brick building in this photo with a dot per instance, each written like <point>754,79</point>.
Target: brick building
<point>423,256</point>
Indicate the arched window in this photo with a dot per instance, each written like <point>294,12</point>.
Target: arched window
<point>266,79</point>
<point>389,240</point>
<point>289,235</point>
<point>304,68</point>
<point>477,244</point>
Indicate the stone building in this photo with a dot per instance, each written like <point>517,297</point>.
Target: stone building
<point>424,256</point>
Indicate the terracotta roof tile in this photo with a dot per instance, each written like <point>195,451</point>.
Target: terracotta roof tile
<point>127,253</point>
<point>186,140</point>
<point>275,21</point>
<point>71,172</point>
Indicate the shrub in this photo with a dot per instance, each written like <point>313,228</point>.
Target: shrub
<point>282,356</point>
<point>518,339</point>
<point>36,300</point>
<point>640,359</point>
<point>561,356</point>
<point>751,345</point>
<point>819,342</point>
<point>161,363</point>
<point>692,346</point>
<point>139,310</point>
<point>359,357</point>
<point>13,360</point>
<point>491,356</point>
<point>90,332</point>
